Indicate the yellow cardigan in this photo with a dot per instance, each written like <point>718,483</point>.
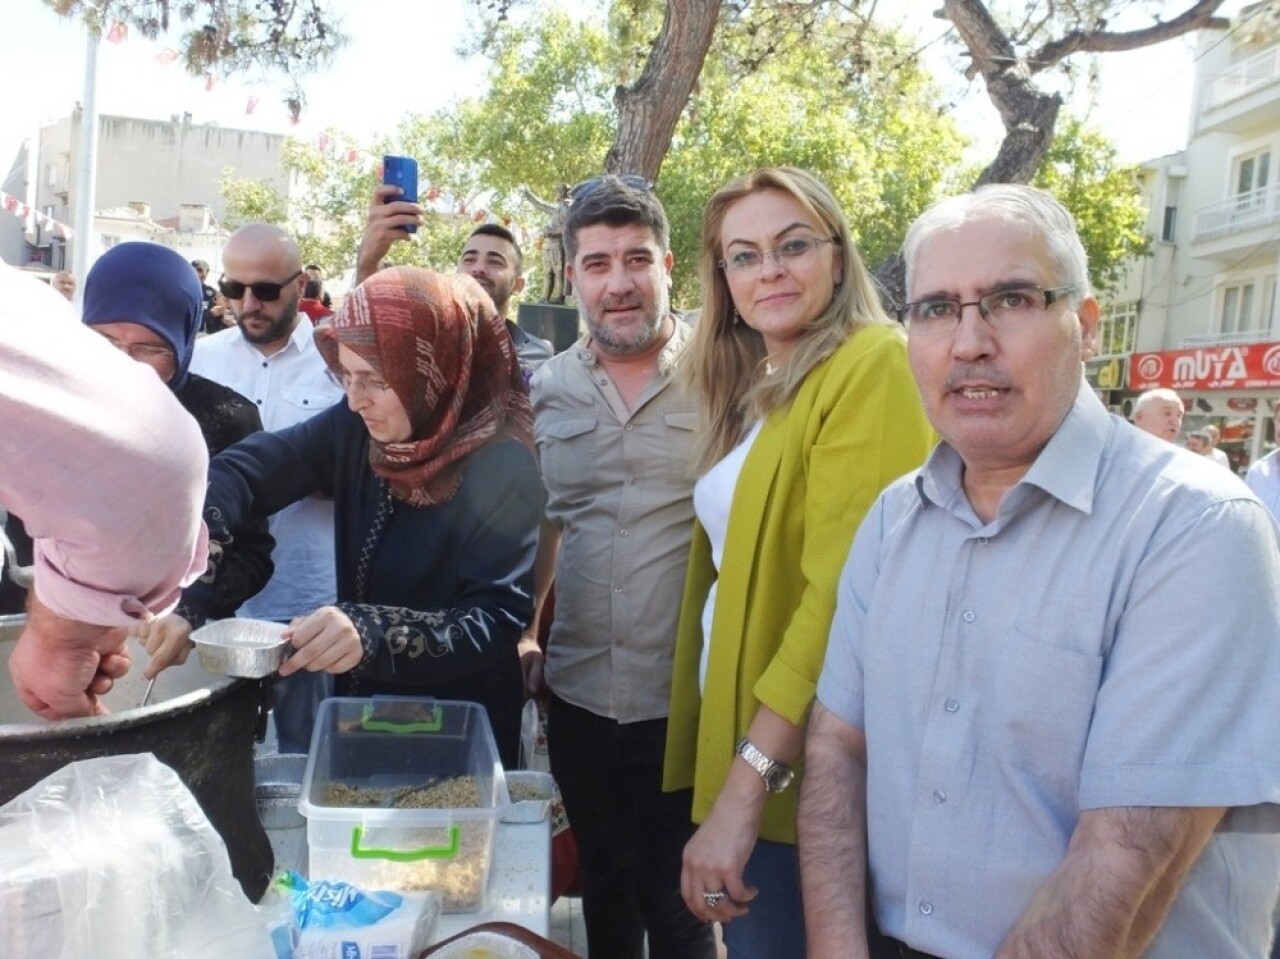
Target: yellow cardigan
<point>817,465</point>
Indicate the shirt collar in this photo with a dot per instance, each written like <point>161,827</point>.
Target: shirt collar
<point>1067,468</point>
<point>667,358</point>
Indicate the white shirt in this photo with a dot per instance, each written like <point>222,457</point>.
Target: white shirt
<point>712,502</point>
<point>1264,479</point>
<point>1219,457</point>
<point>288,387</point>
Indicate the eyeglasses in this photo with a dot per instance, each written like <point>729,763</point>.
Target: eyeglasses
<point>352,381</point>
<point>795,253</point>
<point>587,187</point>
<point>145,352</point>
<point>265,292</point>
<point>1003,309</point>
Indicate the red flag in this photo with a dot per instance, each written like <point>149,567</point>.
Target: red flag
<point>251,105</point>
<point>118,33</point>
<point>351,156</point>
<point>166,57</point>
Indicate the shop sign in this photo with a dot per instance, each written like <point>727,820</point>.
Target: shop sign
<point>1106,374</point>
<point>1254,366</point>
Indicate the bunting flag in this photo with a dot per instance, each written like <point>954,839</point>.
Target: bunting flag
<point>166,57</point>
<point>12,204</point>
<point>118,33</point>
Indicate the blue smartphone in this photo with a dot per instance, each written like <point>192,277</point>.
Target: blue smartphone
<point>402,172</point>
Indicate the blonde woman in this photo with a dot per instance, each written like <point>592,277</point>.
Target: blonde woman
<point>809,410</point>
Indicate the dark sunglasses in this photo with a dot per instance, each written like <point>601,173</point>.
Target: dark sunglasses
<point>587,187</point>
<point>265,292</point>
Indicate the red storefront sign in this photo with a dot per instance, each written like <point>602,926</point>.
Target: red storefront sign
<point>1255,366</point>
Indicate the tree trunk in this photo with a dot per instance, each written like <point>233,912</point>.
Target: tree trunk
<point>650,108</point>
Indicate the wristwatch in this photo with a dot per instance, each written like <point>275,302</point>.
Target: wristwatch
<point>776,776</point>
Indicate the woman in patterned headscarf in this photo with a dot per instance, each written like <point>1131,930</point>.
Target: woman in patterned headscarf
<point>436,494</point>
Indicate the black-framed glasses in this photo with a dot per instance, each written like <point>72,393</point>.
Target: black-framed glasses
<point>584,189</point>
<point>263,291</point>
<point>1001,308</point>
<point>794,252</point>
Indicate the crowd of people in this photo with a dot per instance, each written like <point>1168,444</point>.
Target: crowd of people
<point>863,636</point>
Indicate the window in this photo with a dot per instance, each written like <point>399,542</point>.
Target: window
<point>1118,331</point>
<point>51,175</point>
<point>1238,315</point>
<point>1169,232</point>
<point>1253,176</point>
<point>108,241</point>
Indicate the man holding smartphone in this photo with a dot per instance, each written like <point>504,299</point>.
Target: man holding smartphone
<point>491,257</point>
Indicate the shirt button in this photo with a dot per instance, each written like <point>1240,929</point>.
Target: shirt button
<point>951,705</point>
<point>624,532</point>
<point>617,589</point>
<point>264,364</point>
<point>939,796</point>
<point>628,427</point>
<point>926,907</point>
<point>259,402</point>
<point>969,616</point>
<point>983,541</point>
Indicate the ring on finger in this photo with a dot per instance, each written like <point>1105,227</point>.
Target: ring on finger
<point>713,899</point>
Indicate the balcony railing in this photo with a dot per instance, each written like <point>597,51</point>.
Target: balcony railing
<point>1239,338</point>
<point>1244,211</point>
<point>1243,78</point>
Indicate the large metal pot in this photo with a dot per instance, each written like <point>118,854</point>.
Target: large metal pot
<point>203,727</point>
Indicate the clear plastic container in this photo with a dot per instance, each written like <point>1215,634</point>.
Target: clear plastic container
<point>404,794</point>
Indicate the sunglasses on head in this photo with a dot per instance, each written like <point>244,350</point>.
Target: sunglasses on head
<point>265,292</point>
<point>587,187</point>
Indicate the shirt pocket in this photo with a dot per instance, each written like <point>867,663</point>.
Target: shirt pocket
<point>303,402</point>
<point>1045,696</point>
<point>680,427</point>
<point>566,449</point>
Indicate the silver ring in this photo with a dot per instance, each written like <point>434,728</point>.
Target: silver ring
<point>713,899</point>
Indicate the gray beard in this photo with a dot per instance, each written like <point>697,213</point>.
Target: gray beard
<point>637,341</point>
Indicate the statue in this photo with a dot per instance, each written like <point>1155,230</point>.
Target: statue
<point>556,287</point>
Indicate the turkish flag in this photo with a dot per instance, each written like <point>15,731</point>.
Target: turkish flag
<point>118,33</point>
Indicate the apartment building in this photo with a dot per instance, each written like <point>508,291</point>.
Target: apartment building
<point>1200,315</point>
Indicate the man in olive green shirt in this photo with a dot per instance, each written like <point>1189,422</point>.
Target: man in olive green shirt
<point>613,433</point>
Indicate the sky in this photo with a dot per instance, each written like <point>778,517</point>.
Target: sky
<point>378,77</point>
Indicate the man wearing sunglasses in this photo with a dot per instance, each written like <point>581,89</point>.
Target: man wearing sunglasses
<point>269,357</point>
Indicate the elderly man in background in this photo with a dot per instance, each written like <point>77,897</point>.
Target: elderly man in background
<point>108,471</point>
<point>1159,412</point>
<point>65,284</point>
<point>1084,765</point>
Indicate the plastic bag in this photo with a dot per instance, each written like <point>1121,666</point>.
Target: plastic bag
<point>113,858</point>
<point>533,738</point>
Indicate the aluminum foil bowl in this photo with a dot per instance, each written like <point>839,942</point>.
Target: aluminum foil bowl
<point>245,648</point>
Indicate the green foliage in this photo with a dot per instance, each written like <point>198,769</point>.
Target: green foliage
<point>1081,169</point>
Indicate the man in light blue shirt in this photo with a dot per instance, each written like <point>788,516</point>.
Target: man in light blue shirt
<point>1033,737</point>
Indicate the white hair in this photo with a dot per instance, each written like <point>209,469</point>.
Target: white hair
<point>1015,204</point>
<point>1151,396</point>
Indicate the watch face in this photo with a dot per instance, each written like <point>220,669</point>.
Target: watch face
<point>779,778</point>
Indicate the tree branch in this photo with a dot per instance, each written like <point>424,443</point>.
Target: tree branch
<point>1199,16</point>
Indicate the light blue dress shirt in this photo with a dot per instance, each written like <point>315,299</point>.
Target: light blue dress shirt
<point>1111,638</point>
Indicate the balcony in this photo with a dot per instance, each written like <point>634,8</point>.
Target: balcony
<point>1245,96</point>
<point>1239,338</point>
<point>1224,227</point>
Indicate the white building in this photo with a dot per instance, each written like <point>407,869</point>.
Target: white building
<point>1200,315</point>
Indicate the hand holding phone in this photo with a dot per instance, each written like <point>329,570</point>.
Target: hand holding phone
<point>402,171</point>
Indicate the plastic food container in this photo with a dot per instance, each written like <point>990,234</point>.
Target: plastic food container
<point>245,648</point>
<point>530,794</point>
<point>404,794</point>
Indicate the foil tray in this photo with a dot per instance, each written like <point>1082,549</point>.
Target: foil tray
<point>244,648</point>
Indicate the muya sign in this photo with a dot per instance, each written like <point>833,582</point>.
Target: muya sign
<point>1255,366</point>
